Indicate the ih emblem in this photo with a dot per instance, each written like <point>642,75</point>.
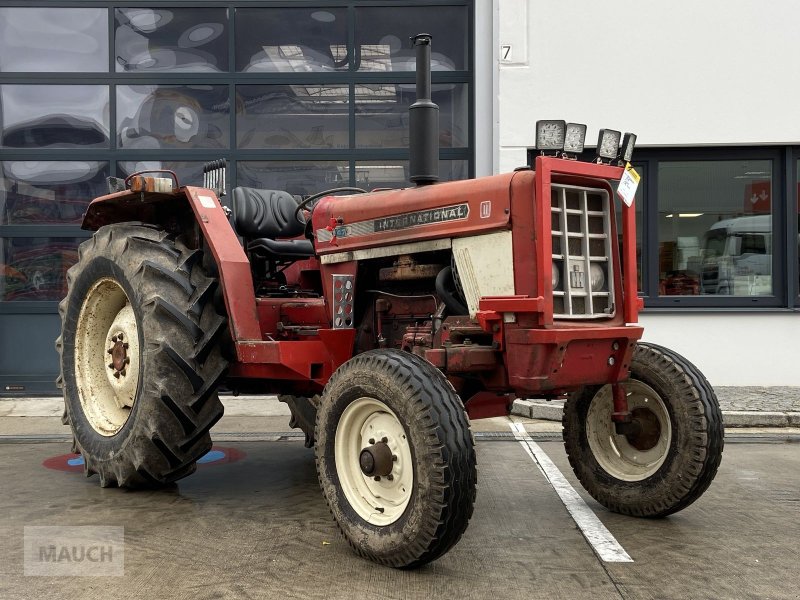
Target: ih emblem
<point>576,277</point>
<point>486,209</point>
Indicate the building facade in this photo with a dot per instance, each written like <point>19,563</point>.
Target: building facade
<point>303,96</point>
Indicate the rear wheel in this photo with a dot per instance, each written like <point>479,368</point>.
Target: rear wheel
<point>395,458</point>
<point>140,356</point>
<point>669,456</point>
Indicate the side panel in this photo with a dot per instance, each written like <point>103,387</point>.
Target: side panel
<point>485,266</point>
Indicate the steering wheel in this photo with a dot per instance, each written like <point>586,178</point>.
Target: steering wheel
<point>310,202</point>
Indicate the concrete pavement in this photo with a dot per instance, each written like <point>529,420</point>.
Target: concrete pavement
<point>258,528</point>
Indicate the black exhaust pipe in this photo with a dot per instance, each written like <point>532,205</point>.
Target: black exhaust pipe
<point>423,120</point>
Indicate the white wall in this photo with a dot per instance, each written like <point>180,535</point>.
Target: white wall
<point>734,348</point>
<point>675,72</point>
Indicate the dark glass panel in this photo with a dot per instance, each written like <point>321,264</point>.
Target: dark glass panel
<point>382,114</point>
<point>172,116</point>
<point>382,37</point>
<point>36,268</point>
<point>53,39</point>
<point>715,227</point>
<point>292,116</point>
<point>54,116</point>
<point>171,39</point>
<point>291,40</point>
<point>37,192</point>
<point>295,177</point>
<point>372,174</point>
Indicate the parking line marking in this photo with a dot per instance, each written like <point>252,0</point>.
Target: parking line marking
<point>600,539</point>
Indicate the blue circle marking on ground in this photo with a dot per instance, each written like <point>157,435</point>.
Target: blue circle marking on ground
<point>211,456</point>
<point>74,463</point>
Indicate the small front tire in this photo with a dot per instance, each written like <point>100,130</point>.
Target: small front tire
<point>395,458</point>
<point>674,455</point>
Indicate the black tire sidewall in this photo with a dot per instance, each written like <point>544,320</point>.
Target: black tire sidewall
<point>101,447</point>
<point>442,453</point>
<point>363,384</point>
<point>669,484</point>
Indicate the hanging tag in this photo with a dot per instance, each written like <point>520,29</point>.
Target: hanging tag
<point>628,184</point>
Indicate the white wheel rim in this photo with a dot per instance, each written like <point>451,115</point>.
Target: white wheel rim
<point>107,383</point>
<point>364,422</point>
<point>614,452</point>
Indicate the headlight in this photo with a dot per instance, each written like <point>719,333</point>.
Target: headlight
<point>598,277</point>
<point>556,276</point>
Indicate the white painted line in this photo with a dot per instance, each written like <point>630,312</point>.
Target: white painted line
<point>604,544</point>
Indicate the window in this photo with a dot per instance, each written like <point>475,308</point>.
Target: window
<point>715,228</point>
<point>54,116</point>
<point>190,40</point>
<point>294,96</point>
<point>712,228</point>
<point>53,39</point>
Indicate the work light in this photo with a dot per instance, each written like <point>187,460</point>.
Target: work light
<point>626,149</point>
<point>608,144</point>
<point>574,139</point>
<point>550,135</point>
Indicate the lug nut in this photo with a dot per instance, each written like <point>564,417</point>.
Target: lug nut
<point>110,351</point>
<point>394,458</point>
<point>371,440</point>
<point>390,477</point>
<point>111,365</point>
<point>385,440</point>
<point>116,374</point>
<point>125,345</point>
<point>377,478</point>
<point>127,360</point>
<point>611,361</point>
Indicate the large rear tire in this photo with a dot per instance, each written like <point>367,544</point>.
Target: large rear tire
<point>672,458</point>
<point>140,356</point>
<point>395,458</point>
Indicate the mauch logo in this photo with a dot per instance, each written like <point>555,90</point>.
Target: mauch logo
<point>75,551</point>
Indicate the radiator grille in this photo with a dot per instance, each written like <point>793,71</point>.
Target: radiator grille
<point>582,259</point>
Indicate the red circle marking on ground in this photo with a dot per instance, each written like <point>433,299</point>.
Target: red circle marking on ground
<point>73,463</point>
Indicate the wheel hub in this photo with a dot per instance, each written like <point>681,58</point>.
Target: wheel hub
<point>119,355</point>
<point>373,461</point>
<point>637,450</point>
<point>647,431</point>
<point>377,460</point>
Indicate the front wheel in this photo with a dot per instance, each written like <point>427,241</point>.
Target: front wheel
<point>669,456</point>
<point>395,458</point>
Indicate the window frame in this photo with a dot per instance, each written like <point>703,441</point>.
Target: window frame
<point>653,156</point>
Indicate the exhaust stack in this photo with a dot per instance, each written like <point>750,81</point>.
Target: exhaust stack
<point>423,117</point>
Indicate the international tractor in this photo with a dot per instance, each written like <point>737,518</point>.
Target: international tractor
<point>386,320</point>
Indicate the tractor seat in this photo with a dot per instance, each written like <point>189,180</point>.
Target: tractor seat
<point>282,250</point>
<point>265,214</point>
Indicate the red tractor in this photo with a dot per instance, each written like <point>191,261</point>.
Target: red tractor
<point>386,320</point>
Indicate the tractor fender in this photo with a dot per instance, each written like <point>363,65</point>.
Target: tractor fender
<point>157,208</point>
